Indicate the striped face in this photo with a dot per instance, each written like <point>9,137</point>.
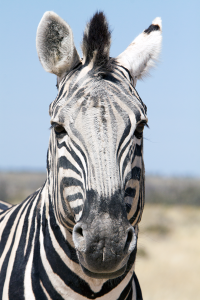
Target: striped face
<point>96,144</point>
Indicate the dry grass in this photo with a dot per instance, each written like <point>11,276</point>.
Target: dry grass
<point>168,262</point>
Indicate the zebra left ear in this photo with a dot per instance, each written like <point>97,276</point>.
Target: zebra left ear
<point>55,45</point>
<point>143,52</point>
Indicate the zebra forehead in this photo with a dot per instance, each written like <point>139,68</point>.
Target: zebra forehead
<point>84,93</point>
<point>102,107</point>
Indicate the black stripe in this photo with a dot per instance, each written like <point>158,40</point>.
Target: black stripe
<point>135,173</point>
<point>151,28</point>
<point>68,77</point>
<point>39,294</point>
<point>133,218</point>
<point>77,209</point>
<point>60,268</point>
<point>125,134</point>
<point>75,156</point>
<point>70,181</point>
<point>138,290</point>
<point>74,197</point>
<point>4,206</point>
<point>37,267</point>
<point>67,248</point>
<point>130,192</point>
<point>138,150</point>
<point>127,158</point>
<point>65,223</point>
<point>64,163</point>
<point>128,99</point>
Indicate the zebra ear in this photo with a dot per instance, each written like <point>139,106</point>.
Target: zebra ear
<point>55,45</point>
<point>143,52</point>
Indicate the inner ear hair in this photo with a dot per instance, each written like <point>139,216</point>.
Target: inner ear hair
<point>55,45</point>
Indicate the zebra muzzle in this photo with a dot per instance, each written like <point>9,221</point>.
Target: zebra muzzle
<point>103,249</point>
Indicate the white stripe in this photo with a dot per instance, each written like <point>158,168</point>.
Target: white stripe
<point>28,289</point>
<point>13,254</point>
<point>44,290</point>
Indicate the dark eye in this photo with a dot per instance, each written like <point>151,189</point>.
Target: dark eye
<point>139,129</point>
<point>60,131</point>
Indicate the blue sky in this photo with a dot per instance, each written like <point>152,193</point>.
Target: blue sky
<point>172,144</point>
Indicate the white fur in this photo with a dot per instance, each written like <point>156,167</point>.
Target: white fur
<point>142,53</point>
<point>49,56</point>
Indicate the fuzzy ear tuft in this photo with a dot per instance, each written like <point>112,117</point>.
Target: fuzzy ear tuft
<point>96,40</point>
<point>55,45</point>
<point>143,52</point>
<point>156,25</point>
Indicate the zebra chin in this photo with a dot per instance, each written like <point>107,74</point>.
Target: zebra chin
<point>105,275</point>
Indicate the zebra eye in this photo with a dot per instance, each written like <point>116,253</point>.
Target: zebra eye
<point>139,129</point>
<point>59,130</point>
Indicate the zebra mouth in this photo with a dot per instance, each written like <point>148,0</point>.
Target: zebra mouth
<point>106,275</point>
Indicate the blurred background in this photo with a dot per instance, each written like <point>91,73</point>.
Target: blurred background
<point>168,261</point>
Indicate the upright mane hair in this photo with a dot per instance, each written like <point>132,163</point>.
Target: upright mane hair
<point>96,43</point>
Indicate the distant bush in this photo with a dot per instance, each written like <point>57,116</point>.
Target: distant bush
<point>173,190</point>
<point>3,190</point>
<point>16,186</point>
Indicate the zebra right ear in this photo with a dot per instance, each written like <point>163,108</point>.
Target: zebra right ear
<point>143,52</point>
<point>55,45</point>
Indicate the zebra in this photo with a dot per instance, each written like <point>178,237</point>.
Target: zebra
<point>75,238</point>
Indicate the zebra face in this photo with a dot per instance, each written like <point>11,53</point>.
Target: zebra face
<point>97,138</point>
<point>96,143</point>
<point>95,158</point>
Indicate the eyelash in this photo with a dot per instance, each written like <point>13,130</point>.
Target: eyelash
<point>60,132</point>
<point>139,133</point>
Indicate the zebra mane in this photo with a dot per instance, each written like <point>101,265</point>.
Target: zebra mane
<point>96,42</point>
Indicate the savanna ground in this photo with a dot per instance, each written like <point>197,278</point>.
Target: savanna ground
<point>168,259</point>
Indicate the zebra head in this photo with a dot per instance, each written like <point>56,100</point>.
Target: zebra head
<point>95,157</point>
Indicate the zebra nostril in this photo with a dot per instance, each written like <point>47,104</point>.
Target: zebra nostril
<point>79,231</point>
<point>130,240</point>
<point>78,237</point>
